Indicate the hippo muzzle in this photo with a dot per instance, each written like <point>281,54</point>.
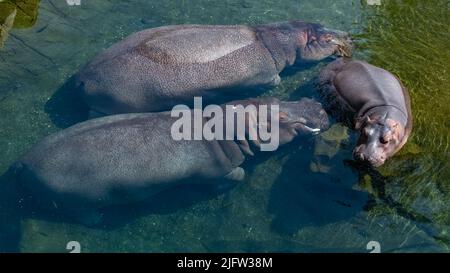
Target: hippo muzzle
<point>370,154</point>
<point>319,43</point>
<point>378,141</point>
<point>304,117</point>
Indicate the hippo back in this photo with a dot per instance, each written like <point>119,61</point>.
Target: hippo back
<point>117,159</point>
<point>180,44</point>
<point>155,69</point>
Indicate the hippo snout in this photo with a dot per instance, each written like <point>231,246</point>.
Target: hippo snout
<point>372,159</point>
<point>318,118</point>
<point>326,42</point>
<point>308,115</point>
<point>324,121</point>
<point>342,41</point>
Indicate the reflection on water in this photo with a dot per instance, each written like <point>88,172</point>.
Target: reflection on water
<point>309,196</point>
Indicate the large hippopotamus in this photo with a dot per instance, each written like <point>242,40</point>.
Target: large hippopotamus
<point>375,101</point>
<point>130,157</point>
<point>155,69</point>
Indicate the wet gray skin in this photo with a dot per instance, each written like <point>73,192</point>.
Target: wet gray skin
<point>381,137</point>
<point>305,117</point>
<point>374,145</point>
<point>310,42</point>
<point>322,42</point>
<point>327,42</point>
<point>376,102</point>
<point>130,157</point>
<point>156,69</point>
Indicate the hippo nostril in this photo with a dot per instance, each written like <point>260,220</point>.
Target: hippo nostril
<point>359,156</point>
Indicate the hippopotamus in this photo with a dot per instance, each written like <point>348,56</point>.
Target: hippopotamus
<point>128,158</point>
<point>155,69</point>
<point>374,101</point>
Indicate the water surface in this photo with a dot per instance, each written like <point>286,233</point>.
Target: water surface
<point>307,197</point>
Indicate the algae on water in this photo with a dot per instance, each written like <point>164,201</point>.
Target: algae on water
<point>27,12</point>
<point>410,39</point>
<point>6,26</point>
<point>327,145</point>
<point>17,14</point>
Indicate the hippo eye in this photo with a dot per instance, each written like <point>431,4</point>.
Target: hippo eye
<point>327,38</point>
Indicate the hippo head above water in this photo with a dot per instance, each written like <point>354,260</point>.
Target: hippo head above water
<point>380,138</point>
<point>304,42</point>
<point>317,42</point>
<point>303,117</point>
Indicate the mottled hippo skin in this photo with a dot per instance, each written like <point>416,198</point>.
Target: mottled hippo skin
<point>378,104</point>
<point>130,157</point>
<point>155,69</point>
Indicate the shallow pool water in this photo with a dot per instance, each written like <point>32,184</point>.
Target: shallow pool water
<point>307,197</point>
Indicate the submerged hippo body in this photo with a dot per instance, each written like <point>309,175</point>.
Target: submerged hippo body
<point>376,102</point>
<point>155,69</point>
<point>130,157</point>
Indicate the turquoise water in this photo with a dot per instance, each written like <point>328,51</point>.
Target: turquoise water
<point>308,196</point>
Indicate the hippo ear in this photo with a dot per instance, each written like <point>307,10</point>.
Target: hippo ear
<point>360,122</point>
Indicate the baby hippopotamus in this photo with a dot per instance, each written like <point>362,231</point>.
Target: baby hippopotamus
<point>130,157</point>
<point>376,102</point>
<point>155,69</point>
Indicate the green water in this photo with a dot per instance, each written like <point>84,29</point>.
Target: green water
<point>308,196</point>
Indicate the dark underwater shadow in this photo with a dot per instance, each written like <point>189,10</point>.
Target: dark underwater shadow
<point>10,228</point>
<point>185,194</point>
<point>307,89</point>
<point>301,66</point>
<point>166,202</point>
<point>380,185</point>
<point>10,225</point>
<point>305,65</point>
<point>302,198</point>
<point>15,206</point>
<point>66,107</point>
